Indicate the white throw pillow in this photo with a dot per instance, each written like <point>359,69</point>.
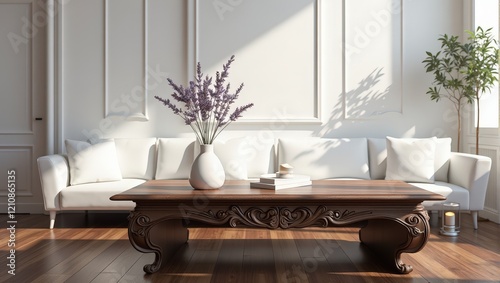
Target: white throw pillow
<point>258,153</point>
<point>231,154</point>
<point>322,158</point>
<point>377,152</point>
<point>411,160</point>
<point>442,159</point>
<point>136,157</point>
<point>175,157</point>
<point>377,148</point>
<point>92,162</point>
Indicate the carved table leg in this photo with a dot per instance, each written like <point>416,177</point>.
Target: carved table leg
<point>391,237</point>
<point>161,237</point>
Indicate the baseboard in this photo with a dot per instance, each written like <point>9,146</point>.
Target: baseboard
<point>30,208</point>
<point>490,214</point>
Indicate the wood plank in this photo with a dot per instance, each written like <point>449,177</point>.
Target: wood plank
<point>56,255</point>
<point>46,256</point>
<point>52,278</point>
<point>107,277</point>
<point>288,263</point>
<point>258,261</point>
<point>136,273</point>
<point>230,259</point>
<point>208,239</point>
<point>123,262</point>
<point>200,268</point>
<point>85,252</point>
<point>197,265</point>
<point>100,262</point>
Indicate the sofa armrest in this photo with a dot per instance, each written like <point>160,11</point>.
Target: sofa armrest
<point>471,172</point>
<point>54,176</point>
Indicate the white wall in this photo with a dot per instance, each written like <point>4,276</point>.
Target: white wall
<point>291,56</point>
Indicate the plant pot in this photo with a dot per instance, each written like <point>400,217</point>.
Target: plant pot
<point>207,172</point>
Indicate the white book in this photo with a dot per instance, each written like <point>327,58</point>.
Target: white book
<point>261,185</point>
<point>274,179</point>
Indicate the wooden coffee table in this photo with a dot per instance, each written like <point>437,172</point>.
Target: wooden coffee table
<point>391,214</point>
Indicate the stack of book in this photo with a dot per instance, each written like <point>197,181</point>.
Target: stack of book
<point>277,182</point>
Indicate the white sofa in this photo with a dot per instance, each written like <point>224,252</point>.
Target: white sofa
<point>87,175</point>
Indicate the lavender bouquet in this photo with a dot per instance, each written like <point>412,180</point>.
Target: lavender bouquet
<point>206,107</point>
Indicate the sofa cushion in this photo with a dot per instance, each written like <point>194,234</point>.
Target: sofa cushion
<point>95,196</point>
<point>377,152</point>
<point>175,157</point>
<point>260,156</point>
<point>442,159</point>
<point>91,163</point>
<point>326,158</point>
<point>410,160</point>
<point>453,193</point>
<point>256,153</point>
<point>231,155</point>
<point>245,157</point>
<point>136,157</point>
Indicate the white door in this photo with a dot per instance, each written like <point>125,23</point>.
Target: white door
<point>22,103</point>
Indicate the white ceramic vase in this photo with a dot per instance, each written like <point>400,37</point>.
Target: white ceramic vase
<point>207,172</point>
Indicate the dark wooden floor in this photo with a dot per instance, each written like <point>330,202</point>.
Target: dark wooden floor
<point>95,248</point>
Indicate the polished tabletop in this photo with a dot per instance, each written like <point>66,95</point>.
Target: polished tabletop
<point>320,190</point>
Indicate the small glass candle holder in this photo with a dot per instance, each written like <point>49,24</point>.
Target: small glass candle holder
<point>450,219</point>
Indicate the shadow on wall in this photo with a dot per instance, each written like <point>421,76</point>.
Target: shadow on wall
<point>225,28</point>
<point>355,106</point>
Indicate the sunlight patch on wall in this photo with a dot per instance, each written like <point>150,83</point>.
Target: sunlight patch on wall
<point>276,49</point>
<point>372,54</point>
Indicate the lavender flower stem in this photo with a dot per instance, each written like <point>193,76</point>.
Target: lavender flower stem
<point>206,107</point>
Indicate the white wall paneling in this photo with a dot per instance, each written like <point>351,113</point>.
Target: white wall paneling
<point>56,78</point>
<point>51,77</point>
<point>296,59</point>
<point>492,203</point>
<point>373,66</point>
<point>292,57</point>
<point>22,98</point>
<point>277,53</point>
<point>126,57</point>
<point>16,109</point>
<point>20,159</point>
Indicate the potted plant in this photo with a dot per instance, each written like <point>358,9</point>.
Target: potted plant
<point>463,71</point>
<point>482,72</point>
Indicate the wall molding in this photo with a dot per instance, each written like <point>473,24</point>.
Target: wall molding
<point>493,191</point>
<point>345,47</point>
<point>31,208</point>
<point>51,75</point>
<point>21,191</point>
<point>278,117</point>
<point>139,116</point>
<point>59,79</point>
<point>29,66</point>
